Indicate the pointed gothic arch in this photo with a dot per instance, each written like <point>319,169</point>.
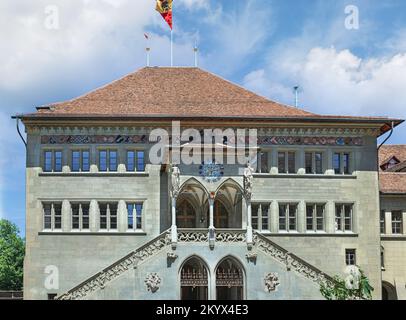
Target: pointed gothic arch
<point>230,279</point>
<point>194,277</point>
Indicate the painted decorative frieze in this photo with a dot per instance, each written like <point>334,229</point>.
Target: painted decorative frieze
<point>94,139</point>
<point>310,141</point>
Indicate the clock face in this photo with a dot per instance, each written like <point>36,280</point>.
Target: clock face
<point>211,171</point>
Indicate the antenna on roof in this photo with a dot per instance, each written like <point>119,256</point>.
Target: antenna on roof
<point>196,51</point>
<point>296,90</point>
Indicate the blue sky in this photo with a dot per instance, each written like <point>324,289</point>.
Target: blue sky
<point>266,46</point>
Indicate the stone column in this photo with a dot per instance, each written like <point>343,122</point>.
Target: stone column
<point>94,220</point>
<point>274,220</point>
<point>404,223</point>
<point>174,228</point>
<point>301,162</point>
<point>249,223</point>
<point>66,216</point>
<point>274,161</point>
<point>330,217</point>
<point>388,222</point>
<point>329,166</point>
<point>212,229</point>
<point>122,223</point>
<point>301,217</point>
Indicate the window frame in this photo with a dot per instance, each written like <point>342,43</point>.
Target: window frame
<point>137,217</point>
<point>108,216</point>
<point>314,162</point>
<point>350,255</point>
<point>108,151</point>
<point>287,217</point>
<point>52,164</point>
<point>260,216</point>
<point>398,223</point>
<point>345,162</point>
<point>137,165</point>
<point>52,216</point>
<point>287,161</point>
<point>315,218</point>
<point>81,164</point>
<point>341,226</point>
<point>80,216</point>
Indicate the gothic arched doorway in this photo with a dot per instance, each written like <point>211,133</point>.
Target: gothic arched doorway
<point>185,215</point>
<point>229,280</point>
<point>194,280</point>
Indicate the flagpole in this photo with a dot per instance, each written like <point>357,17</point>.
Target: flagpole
<point>171,48</point>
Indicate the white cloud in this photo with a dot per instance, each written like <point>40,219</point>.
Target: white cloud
<point>194,4</point>
<point>336,82</point>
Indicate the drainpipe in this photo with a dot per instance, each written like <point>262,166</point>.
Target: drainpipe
<point>18,129</point>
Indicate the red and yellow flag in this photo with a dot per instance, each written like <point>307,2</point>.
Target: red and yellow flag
<point>164,7</point>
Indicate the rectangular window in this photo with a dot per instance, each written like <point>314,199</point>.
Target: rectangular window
<point>75,216</point>
<point>108,216</point>
<point>309,162</point>
<point>292,217</point>
<point>263,161</point>
<point>397,223</point>
<point>337,163</point>
<point>57,216</point>
<point>282,217</point>
<point>58,161</point>
<point>346,163</point>
<point>382,223</point>
<point>350,257</point>
<point>341,163</point>
<point>47,216</point>
<point>75,161</point>
<point>80,216</point>
<point>319,162</point>
<point>287,162</point>
<point>344,217</point>
<point>80,161</point>
<point>282,162</point>
<point>134,211</point>
<point>113,160</point>
<point>288,217</point>
<point>52,296</point>
<point>85,161</point>
<point>48,161</point>
<point>291,162</point>
<point>140,161</point>
<point>315,217</point>
<point>131,161</point>
<point>103,160</point>
<point>52,216</point>
<point>260,219</point>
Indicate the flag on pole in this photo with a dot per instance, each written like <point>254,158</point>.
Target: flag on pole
<point>164,7</point>
<point>146,36</point>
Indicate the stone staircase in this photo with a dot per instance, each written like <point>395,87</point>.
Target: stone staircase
<point>193,236</point>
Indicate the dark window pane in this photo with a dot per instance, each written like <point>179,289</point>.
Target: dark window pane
<point>48,161</point>
<point>103,160</point>
<point>85,216</point>
<point>282,162</point>
<point>337,163</point>
<point>346,163</point>
<point>75,161</point>
<point>397,224</point>
<point>58,161</point>
<point>382,222</point>
<point>309,217</point>
<point>291,162</point>
<point>265,218</point>
<point>339,226</point>
<point>264,162</point>
<point>292,217</point>
<point>75,216</point>
<point>282,217</point>
<point>58,216</point>
<point>254,218</point>
<point>86,161</point>
<point>130,211</point>
<point>309,162</point>
<point>113,216</point>
<point>130,161</point>
<point>319,162</point>
<point>113,160</point>
<point>140,161</point>
<point>103,216</point>
<point>348,217</point>
<point>350,257</point>
<point>47,216</point>
<point>139,215</point>
<point>320,217</point>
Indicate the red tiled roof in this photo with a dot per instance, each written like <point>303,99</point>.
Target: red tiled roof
<point>392,182</point>
<point>387,152</point>
<point>162,92</point>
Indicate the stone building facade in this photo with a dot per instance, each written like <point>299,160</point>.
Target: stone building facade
<point>106,221</point>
